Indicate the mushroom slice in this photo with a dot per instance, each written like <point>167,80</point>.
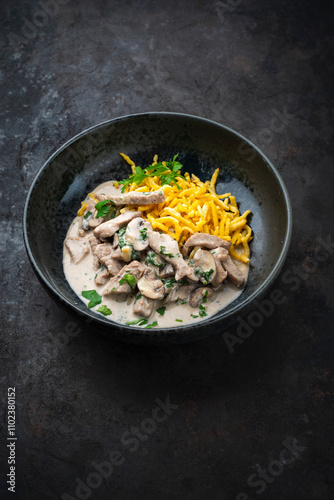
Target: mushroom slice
<point>205,266</point>
<point>196,298</point>
<point>137,233</point>
<point>150,285</point>
<point>89,219</point>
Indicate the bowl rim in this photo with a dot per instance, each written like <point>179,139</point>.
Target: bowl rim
<point>205,321</point>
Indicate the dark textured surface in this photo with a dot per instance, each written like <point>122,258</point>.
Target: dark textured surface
<point>239,63</point>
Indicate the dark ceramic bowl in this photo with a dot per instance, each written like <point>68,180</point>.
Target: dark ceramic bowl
<point>92,157</point>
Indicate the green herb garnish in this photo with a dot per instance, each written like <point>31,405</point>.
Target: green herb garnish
<point>205,296</point>
<point>202,311</point>
<point>169,282</point>
<point>204,274</point>
<point>167,173</point>
<point>143,234</point>
<point>93,297</point>
<point>151,259</point>
<point>88,214</point>
<point>106,209</point>
<point>139,322</point>
<point>161,310</point>
<point>163,252</point>
<point>151,325</point>
<point>104,310</point>
<point>179,320</point>
<point>129,279</point>
<point>194,316</point>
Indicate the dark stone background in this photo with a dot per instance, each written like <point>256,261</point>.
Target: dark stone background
<point>237,62</point>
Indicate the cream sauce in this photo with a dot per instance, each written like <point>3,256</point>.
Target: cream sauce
<point>81,277</point>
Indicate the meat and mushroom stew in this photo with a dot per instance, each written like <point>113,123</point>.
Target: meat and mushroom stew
<point>158,249</point>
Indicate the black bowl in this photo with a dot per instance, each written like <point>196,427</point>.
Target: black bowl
<point>92,157</point>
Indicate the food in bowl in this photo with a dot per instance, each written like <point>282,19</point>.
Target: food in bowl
<point>159,248</point>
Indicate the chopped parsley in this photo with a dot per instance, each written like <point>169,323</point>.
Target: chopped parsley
<point>93,297</point>
<point>106,209</point>
<point>161,310</point>
<point>88,214</point>
<point>153,258</point>
<point>129,279</point>
<point>202,311</point>
<point>143,234</point>
<point>138,296</point>
<point>194,316</point>
<point>179,320</point>
<point>169,282</point>
<point>151,325</point>
<point>104,310</point>
<point>163,252</point>
<point>205,296</point>
<point>167,171</point>
<point>204,274</point>
<point>140,322</point>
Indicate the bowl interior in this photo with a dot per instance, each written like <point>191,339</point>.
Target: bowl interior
<point>93,157</point>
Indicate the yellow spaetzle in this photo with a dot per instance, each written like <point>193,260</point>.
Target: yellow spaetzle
<point>195,207</point>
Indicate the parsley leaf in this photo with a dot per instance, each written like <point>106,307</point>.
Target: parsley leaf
<point>167,171</point>
<point>161,310</point>
<point>163,252</point>
<point>202,311</point>
<point>194,316</point>
<point>143,234</point>
<point>93,297</point>
<point>153,258</point>
<point>179,320</point>
<point>204,274</point>
<point>151,325</point>
<point>106,209</point>
<point>104,310</point>
<point>169,282</point>
<point>129,279</point>
<point>88,214</point>
<point>140,322</point>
